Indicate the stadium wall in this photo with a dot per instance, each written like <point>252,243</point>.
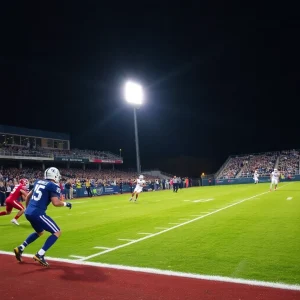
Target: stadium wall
<point>205,181</point>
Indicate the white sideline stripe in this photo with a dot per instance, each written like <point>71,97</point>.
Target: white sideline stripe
<point>275,285</point>
<point>76,256</point>
<point>129,240</point>
<point>174,227</point>
<point>289,198</point>
<point>100,247</point>
<point>146,233</point>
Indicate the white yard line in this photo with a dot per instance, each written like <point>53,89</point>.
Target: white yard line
<point>275,285</point>
<point>100,247</point>
<point>144,233</point>
<point>289,198</point>
<point>174,227</point>
<point>76,256</point>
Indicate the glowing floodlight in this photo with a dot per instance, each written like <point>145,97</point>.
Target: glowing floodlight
<point>134,93</point>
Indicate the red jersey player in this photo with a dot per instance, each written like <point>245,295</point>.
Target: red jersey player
<point>12,201</point>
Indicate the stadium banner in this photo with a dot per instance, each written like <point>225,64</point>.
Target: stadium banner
<point>246,180</point>
<point>37,158</point>
<point>106,161</point>
<point>71,159</point>
<point>106,190</point>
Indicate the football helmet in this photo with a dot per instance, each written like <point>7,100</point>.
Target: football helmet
<point>141,177</point>
<point>24,181</point>
<point>53,174</point>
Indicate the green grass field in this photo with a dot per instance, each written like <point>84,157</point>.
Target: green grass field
<point>248,232</point>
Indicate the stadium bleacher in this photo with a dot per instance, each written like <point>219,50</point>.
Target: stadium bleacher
<point>287,162</point>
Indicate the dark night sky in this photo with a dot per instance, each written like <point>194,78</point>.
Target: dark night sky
<point>219,80</point>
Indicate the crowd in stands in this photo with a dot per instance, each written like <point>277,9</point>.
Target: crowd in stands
<point>44,152</point>
<point>232,167</point>
<point>105,177</point>
<point>77,178</point>
<point>244,166</point>
<point>289,163</point>
<point>263,163</point>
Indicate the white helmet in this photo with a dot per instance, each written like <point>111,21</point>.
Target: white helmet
<point>52,173</point>
<point>275,170</point>
<point>141,177</point>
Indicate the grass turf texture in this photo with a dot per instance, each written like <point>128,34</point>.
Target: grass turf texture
<point>256,239</point>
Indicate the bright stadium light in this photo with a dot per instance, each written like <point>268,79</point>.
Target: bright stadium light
<point>134,95</point>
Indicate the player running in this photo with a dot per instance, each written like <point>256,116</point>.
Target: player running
<point>140,183</point>
<point>12,201</point>
<point>255,177</point>
<point>37,201</point>
<point>274,179</point>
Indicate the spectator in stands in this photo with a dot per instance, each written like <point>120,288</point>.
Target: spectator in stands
<point>88,187</point>
<point>2,193</point>
<point>67,189</point>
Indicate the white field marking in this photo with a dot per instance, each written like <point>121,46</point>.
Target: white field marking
<point>173,223</point>
<point>144,233</point>
<point>289,198</point>
<point>128,240</point>
<point>203,200</point>
<point>100,247</point>
<point>275,285</point>
<point>174,227</point>
<point>76,256</point>
<point>164,228</point>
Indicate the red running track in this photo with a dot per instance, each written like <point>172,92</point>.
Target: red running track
<point>79,282</point>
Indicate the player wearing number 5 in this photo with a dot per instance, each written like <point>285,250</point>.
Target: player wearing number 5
<point>37,201</point>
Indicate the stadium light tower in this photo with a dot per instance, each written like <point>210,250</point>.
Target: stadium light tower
<point>134,95</point>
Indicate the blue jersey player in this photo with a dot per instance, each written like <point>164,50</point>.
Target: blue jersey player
<point>43,193</point>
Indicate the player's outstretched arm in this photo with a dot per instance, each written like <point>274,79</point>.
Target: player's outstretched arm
<point>57,202</point>
<point>28,197</point>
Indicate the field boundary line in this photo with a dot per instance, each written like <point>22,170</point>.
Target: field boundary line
<point>174,227</point>
<point>249,282</point>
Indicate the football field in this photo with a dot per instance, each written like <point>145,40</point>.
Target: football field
<point>236,231</point>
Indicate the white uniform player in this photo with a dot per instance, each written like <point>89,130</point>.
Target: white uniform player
<point>255,177</point>
<point>274,179</point>
<point>140,183</point>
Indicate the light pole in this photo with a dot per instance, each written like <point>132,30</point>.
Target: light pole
<point>134,95</point>
<point>120,152</point>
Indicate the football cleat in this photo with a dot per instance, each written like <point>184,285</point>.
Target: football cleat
<point>18,253</point>
<point>41,260</point>
<point>14,221</point>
